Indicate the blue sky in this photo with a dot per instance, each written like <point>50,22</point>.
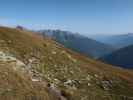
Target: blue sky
<point>84,16</point>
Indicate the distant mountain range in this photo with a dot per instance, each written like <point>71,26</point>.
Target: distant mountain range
<point>118,41</point>
<point>122,57</point>
<point>79,43</point>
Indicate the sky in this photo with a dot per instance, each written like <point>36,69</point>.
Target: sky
<point>83,16</point>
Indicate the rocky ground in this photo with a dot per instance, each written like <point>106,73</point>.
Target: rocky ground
<point>35,76</point>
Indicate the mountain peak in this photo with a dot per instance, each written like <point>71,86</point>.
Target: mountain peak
<point>20,27</point>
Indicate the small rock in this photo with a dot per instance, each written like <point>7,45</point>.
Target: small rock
<point>35,80</point>
<point>88,78</point>
<point>96,75</point>
<point>53,52</point>
<point>89,84</point>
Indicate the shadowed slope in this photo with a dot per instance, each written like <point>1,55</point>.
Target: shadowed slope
<point>122,57</point>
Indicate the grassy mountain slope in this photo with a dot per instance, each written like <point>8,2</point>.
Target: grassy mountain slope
<point>79,43</point>
<point>75,76</point>
<point>122,57</point>
<point>16,86</point>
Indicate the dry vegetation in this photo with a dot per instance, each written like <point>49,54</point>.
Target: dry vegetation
<point>16,86</point>
<point>76,76</point>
